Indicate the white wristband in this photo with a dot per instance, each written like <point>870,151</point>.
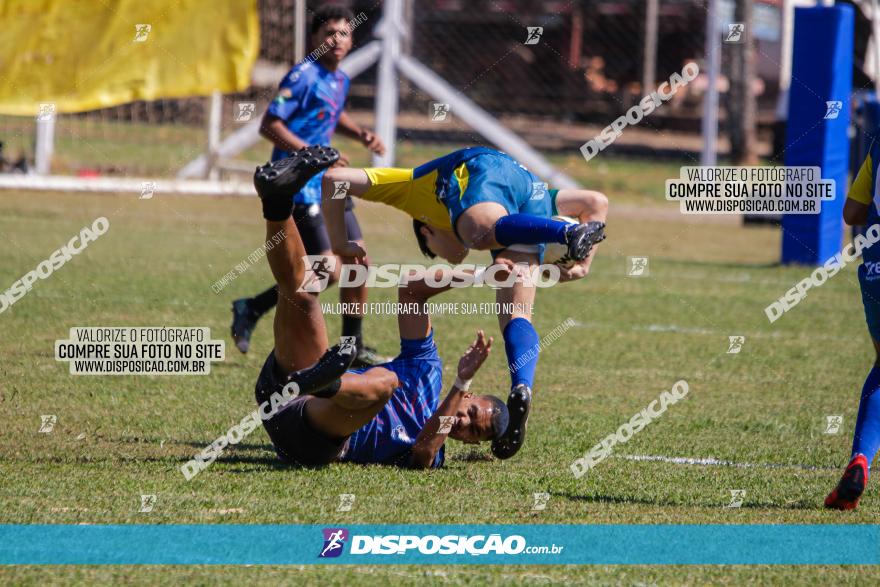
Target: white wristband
<point>462,385</point>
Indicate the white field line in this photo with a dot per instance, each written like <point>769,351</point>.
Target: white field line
<point>690,330</point>
<point>123,184</point>
<point>713,462</point>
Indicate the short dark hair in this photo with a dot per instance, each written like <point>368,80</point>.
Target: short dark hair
<point>500,416</point>
<point>423,242</point>
<point>327,13</point>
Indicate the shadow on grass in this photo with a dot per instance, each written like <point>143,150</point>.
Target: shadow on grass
<point>473,456</point>
<point>199,444</point>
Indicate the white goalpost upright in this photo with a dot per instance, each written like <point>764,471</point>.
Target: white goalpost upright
<point>387,90</point>
<point>249,134</point>
<point>709,154</point>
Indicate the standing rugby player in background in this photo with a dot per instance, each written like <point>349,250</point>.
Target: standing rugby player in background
<point>860,209</point>
<point>309,107</point>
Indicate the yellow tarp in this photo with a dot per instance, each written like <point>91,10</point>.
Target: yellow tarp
<point>88,54</point>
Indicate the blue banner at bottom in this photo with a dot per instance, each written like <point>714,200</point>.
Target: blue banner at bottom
<point>224,544</point>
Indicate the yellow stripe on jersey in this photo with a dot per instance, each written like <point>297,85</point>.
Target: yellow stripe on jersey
<point>397,188</point>
<point>462,176</point>
<point>860,191</point>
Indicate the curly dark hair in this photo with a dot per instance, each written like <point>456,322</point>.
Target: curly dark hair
<point>327,13</point>
<point>500,416</point>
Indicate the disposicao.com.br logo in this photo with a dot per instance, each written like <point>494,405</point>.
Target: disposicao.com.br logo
<point>334,540</point>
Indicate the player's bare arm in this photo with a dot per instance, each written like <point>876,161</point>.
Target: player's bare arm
<point>351,182</point>
<point>416,323</point>
<point>437,428</point>
<point>275,130</point>
<point>584,206</point>
<point>855,213</point>
<point>368,139</point>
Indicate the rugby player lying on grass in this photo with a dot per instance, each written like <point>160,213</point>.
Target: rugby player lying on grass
<point>389,414</point>
<point>482,199</point>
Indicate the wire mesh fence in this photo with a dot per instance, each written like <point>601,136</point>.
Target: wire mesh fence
<point>555,72</point>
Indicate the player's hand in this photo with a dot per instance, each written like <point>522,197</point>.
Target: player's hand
<point>355,260</point>
<point>521,270</point>
<point>372,142</point>
<point>573,273</point>
<point>343,160</point>
<point>351,251</point>
<point>473,358</point>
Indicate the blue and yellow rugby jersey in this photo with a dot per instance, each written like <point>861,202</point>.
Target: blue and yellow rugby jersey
<point>440,190</point>
<point>389,437</point>
<point>864,191</point>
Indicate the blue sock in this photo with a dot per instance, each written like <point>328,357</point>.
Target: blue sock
<point>526,229</point>
<point>866,439</point>
<point>522,345</point>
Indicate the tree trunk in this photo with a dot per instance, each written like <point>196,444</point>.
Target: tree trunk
<point>741,104</point>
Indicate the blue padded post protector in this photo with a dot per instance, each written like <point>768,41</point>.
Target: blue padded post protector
<point>821,72</point>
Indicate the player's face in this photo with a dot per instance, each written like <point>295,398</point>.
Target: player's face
<point>444,244</point>
<point>336,36</point>
<point>473,422</point>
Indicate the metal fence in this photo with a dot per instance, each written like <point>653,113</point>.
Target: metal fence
<point>588,63</point>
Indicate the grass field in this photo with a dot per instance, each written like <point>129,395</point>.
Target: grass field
<point>118,437</point>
